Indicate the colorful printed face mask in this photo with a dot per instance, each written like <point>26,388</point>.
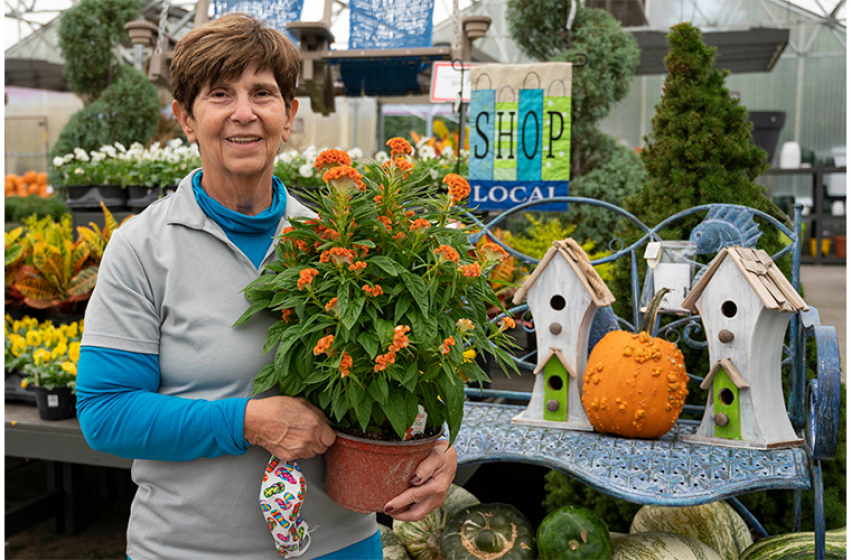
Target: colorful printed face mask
<point>281,496</point>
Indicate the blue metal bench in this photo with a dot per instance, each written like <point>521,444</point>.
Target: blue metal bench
<point>670,471</point>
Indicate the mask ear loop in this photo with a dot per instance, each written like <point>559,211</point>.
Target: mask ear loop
<point>527,77</point>
<point>511,89</point>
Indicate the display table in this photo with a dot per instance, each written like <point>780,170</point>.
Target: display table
<point>62,445</point>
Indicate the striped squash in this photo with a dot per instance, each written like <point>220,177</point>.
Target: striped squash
<point>797,546</point>
<point>716,524</point>
<point>392,547</point>
<point>661,546</point>
<point>422,538</point>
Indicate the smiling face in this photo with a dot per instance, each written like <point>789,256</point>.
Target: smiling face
<point>239,126</point>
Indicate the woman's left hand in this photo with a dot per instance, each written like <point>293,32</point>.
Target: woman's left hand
<point>430,483</point>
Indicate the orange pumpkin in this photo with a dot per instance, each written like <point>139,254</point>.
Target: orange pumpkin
<point>635,385</point>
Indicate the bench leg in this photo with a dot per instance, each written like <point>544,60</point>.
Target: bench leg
<point>70,512</point>
<point>818,498</point>
<point>796,523</point>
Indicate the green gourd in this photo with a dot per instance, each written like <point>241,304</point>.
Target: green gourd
<point>487,532</point>
<point>573,533</point>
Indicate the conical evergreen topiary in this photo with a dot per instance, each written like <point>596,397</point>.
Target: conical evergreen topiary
<point>700,150</point>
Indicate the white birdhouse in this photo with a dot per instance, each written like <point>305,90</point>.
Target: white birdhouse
<point>563,294</point>
<point>745,304</point>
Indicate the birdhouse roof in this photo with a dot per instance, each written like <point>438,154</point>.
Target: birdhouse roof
<point>570,251</point>
<point>732,373</point>
<point>762,274</point>
<point>557,353</point>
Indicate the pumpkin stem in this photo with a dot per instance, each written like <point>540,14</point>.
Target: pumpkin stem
<point>649,320</point>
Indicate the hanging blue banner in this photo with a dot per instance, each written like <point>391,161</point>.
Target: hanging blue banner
<point>482,107</point>
<point>501,195</point>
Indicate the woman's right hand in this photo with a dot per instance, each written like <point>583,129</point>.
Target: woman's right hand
<point>288,427</point>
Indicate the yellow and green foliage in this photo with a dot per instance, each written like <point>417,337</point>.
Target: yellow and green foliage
<point>45,354</point>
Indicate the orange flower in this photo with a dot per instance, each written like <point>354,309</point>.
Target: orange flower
<point>341,256</point>
<point>464,325</point>
<point>345,364</point>
<point>447,253</point>
<point>401,164</point>
<point>446,344</point>
<point>285,315</point>
<point>506,323</point>
<point>381,362</point>
<point>399,146</point>
<point>357,266</point>
<point>325,256</point>
<point>331,306</point>
<point>363,248</point>
<point>388,223</point>
<point>329,234</point>
<point>378,199</point>
<point>399,339</point>
<point>323,345</point>
<point>420,225</point>
<point>302,245</point>
<point>305,277</point>
<point>492,251</point>
<point>374,292</point>
<point>332,158</point>
<point>459,188</point>
<point>400,236</point>
<point>286,230</point>
<point>471,270</point>
<point>343,178</point>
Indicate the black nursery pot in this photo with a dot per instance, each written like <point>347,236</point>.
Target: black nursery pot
<point>58,404</point>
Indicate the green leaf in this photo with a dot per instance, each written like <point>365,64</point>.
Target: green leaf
<point>369,342</point>
<point>252,310</point>
<point>452,393</point>
<point>338,404</point>
<point>395,411</point>
<point>363,411</point>
<point>264,380</point>
<point>282,355</point>
<point>402,305</point>
<point>354,393</point>
<point>387,264</point>
<point>418,290</point>
<point>353,312</point>
<point>343,299</point>
<point>412,374</point>
<point>379,390</point>
<point>274,334</point>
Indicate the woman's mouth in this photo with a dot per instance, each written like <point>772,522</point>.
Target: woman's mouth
<point>243,139</point>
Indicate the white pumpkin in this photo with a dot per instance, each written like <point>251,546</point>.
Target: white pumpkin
<point>661,546</point>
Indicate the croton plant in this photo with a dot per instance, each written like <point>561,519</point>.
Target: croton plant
<point>378,296</point>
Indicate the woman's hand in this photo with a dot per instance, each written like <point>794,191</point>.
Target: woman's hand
<point>430,483</point>
<point>287,427</point>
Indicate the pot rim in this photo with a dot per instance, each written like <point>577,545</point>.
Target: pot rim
<point>394,443</point>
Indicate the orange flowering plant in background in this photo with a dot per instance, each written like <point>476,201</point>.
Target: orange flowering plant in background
<point>378,296</point>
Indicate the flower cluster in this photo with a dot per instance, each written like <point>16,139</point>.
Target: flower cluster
<point>379,296</point>
<point>306,169</point>
<point>116,165</point>
<point>45,354</point>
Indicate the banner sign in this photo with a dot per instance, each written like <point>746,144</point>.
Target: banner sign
<point>519,134</point>
<point>502,195</point>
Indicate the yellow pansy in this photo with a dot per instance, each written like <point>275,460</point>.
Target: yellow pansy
<point>69,367</point>
<point>16,326</point>
<point>9,318</point>
<point>48,337</point>
<point>60,350</point>
<point>19,346</point>
<point>24,383</point>
<point>41,356</point>
<point>74,352</point>
<point>33,338</point>
<point>70,330</point>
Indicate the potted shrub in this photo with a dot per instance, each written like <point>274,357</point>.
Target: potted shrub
<point>46,357</point>
<point>377,297</point>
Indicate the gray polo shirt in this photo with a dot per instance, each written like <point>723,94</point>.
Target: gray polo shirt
<point>171,284</point>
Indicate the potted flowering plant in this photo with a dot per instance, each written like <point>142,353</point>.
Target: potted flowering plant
<point>46,357</point>
<point>378,296</point>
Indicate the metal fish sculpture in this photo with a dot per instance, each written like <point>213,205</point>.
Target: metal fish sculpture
<point>725,226</point>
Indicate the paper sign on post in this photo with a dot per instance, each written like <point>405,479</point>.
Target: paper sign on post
<point>446,82</point>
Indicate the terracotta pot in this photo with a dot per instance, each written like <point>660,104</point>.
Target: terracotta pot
<point>58,404</point>
<point>364,474</point>
<point>839,243</point>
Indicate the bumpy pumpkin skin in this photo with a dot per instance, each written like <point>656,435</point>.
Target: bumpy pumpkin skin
<point>635,385</point>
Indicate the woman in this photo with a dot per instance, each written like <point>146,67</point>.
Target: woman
<point>164,379</point>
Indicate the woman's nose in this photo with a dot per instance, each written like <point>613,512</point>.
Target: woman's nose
<point>243,110</point>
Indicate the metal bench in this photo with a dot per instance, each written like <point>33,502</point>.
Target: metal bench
<point>671,471</point>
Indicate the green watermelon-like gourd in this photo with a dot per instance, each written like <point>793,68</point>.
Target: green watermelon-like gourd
<point>797,546</point>
<point>661,546</point>
<point>716,524</point>
<point>573,533</point>
<point>392,548</point>
<point>488,531</point>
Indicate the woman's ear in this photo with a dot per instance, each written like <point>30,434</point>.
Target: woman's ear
<point>291,113</point>
<point>186,121</point>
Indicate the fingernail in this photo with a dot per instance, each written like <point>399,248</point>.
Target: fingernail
<point>388,509</point>
<point>416,479</point>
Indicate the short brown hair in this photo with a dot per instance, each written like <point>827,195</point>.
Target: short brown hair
<point>223,48</point>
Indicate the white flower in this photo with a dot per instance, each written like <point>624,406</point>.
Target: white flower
<point>434,174</point>
<point>427,152</point>
<point>58,161</point>
<point>68,157</point>
<point>175,143</point>
<point>98,156</point>
<point>81,154</point>
<point>120,147</point>
<point>381,156</point>
<point>108,150</point>
<point>448,151</point>
<point>78,171</point>
<point>355,153</point>
<point>306,170</point>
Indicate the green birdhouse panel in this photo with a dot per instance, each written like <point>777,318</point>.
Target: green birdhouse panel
<point>556,384</point>
<point>727,418</point>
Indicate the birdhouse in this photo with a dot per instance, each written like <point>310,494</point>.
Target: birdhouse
<point>563,294</point>
<point>745,304</point>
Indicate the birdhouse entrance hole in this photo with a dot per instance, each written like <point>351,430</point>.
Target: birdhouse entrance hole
<point>557,303</point>
<point>726,396</point>
<point>555,383</point>
<point>729,308</point>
